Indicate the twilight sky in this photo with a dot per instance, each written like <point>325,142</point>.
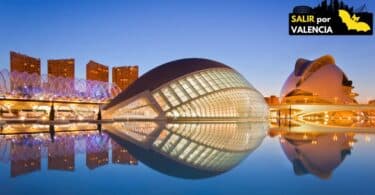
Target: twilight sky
<point>250,36</point>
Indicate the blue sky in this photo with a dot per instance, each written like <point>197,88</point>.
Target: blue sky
<point>250,36</point>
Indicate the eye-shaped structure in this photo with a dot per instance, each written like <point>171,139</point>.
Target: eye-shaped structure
<point>191,89</point>
<point>189,150</point>
<point>318,81</point>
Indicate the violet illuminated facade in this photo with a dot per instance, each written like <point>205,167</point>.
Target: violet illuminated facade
<point>25,96</point>
<point>33,86</point>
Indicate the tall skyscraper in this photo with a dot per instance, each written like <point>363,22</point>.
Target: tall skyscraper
<point>61,68</point>
<point>96,71</point>
<point>23,63</point>
<point>124,76</point>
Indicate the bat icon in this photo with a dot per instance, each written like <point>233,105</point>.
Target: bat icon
<point>353,23</point>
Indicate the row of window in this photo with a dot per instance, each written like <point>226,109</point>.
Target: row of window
<point>139,108</point>
<point>242,136</point>
<point>228,103</point>
<point>197,84</point>
<point>210,146</point>
<point>137,130</point>
<point>196,154</point>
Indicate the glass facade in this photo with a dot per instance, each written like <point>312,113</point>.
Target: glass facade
<point>138,109</point>
<point>139,131</point>
<point>209,93</point>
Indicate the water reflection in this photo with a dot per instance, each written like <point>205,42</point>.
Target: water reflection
<point>313,148</point>
<point>180,149</point>
<point>317,154</point>
<point>189,150</point>
<point>26,152</point>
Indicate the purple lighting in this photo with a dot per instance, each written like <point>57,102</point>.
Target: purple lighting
<point>46,87</point>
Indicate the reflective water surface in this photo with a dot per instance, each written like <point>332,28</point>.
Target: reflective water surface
<point>188,158</point>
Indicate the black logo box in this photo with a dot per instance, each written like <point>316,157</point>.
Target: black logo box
<point>338,27</point>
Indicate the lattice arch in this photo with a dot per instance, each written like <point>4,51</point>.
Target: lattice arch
<point>33,86</point>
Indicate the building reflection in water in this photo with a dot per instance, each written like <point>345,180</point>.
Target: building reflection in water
<point>318,156</point>
<point>25,156</point>
<point>97,151</point>
<point>61,153</point>
<point>315,153</point>
<point>25,152</point>
<point>120,155</point>
<point>189,150</point>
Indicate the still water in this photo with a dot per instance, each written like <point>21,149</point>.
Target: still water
<point>253,161</point>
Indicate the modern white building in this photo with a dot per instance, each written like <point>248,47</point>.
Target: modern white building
<point>189,89</point>
<point>318,81</point>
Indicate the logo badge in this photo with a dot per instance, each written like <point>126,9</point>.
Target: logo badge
<point>330,18</point>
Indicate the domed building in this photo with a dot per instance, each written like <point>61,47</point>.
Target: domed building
<point>318,81</point>
<point>198,89</point>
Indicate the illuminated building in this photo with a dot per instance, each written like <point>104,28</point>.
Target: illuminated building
<point>189,150</point>
<point>75,98</point>
<point>272,100</point>
<point>96,71</point>
<point>61,153</point>
<point>57,88</point>
<point>23,63</point>
<point>25,158</point>
<point>61,68</point>
<point>189,89</point>
<point>97,151</point>
<point>120,155</point>
<point>318,81</point>
<point>316,154</point>
<point>124,76</point>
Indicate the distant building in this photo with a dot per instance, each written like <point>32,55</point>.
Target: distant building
<point>23,63</point>
<point>272,100</point>
<point>96,71</point>
<point>318,81</point>
<point>61,68</point>
<point>371,102</point>
<point>124,76</point>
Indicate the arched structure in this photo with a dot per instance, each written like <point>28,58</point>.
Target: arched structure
<point>14,85</point>
<point>189,89</point>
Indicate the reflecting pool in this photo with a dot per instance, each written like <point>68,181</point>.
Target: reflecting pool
<point>188,158</point>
